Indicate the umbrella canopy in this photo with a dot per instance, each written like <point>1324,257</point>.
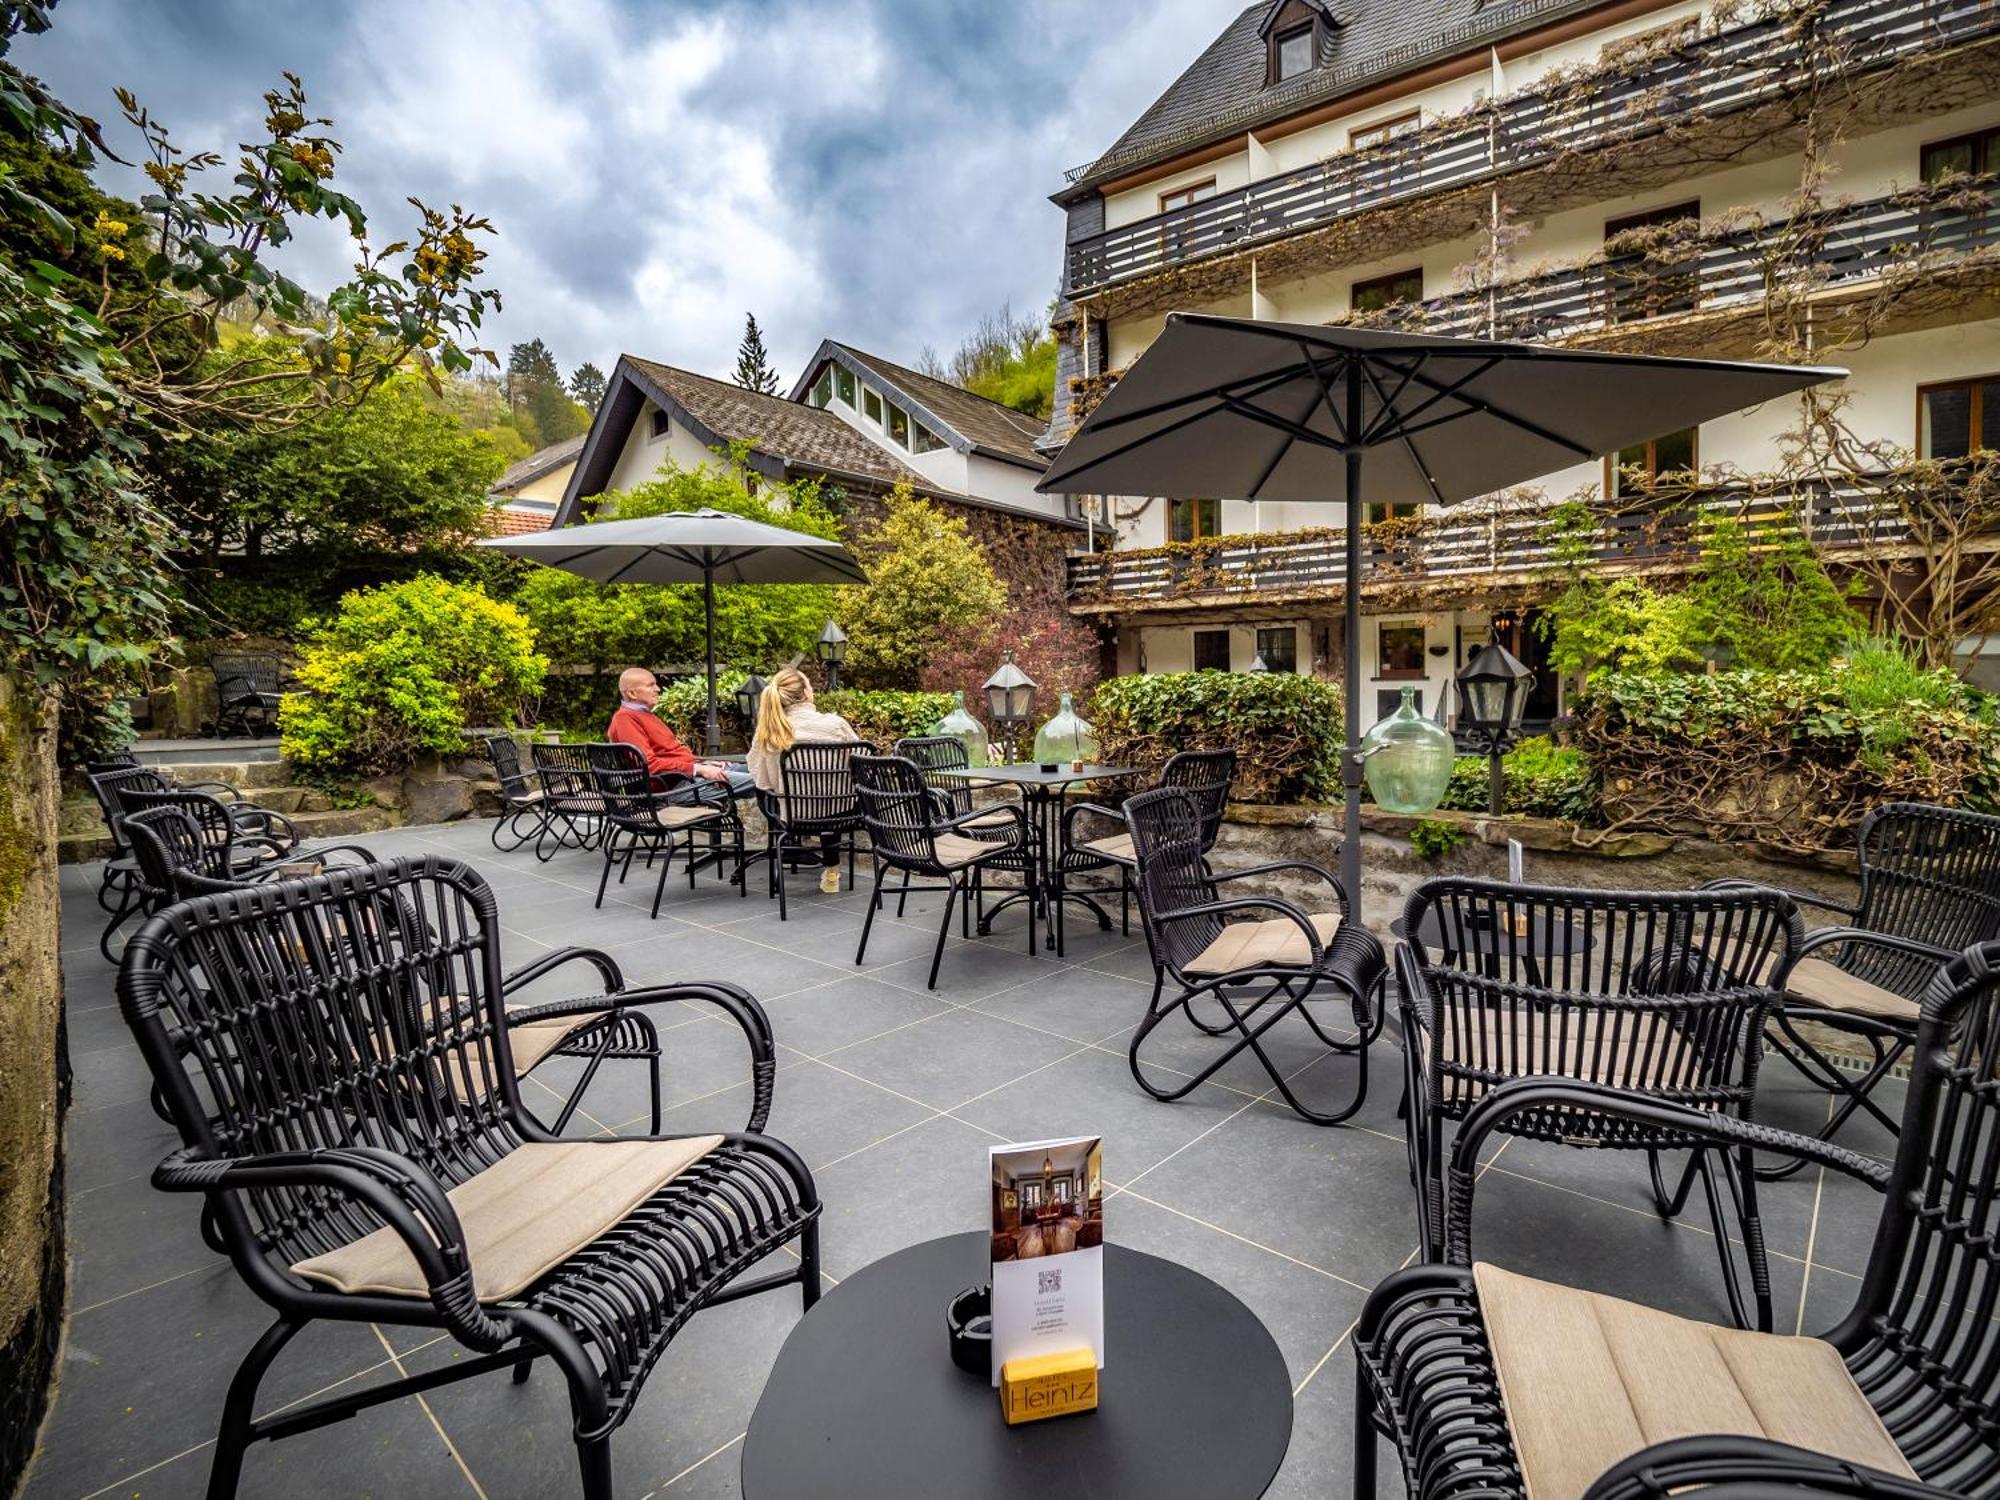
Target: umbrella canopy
<point>1233,408</point>
<point>688,546</point>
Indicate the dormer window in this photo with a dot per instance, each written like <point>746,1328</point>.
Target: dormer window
<point>1295,52</point>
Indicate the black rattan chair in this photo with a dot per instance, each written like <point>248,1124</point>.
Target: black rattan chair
<point>248,689</point>
<point>127,761</point>
<point>638,817</point>
<point>1205,775</point>
<point>351,1032</point>
<point>1648,991</point>
<point>523,804</point>
<point>910,833</point>
<point>816,801</point>
<point>1257,971</point>
<point>938,756</point>
<point>1930,886</point>
<point>574,816</point>
<point>1480,1400</point>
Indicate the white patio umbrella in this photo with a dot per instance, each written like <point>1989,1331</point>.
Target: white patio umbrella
<point>688,546</point>
<point>1232,408</point>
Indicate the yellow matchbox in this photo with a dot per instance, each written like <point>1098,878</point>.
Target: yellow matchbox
<point>1048,1385</point>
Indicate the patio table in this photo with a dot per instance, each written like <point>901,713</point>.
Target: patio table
<point>1042,793</point>
<point>1487,944</point>
<point>865,1402</point>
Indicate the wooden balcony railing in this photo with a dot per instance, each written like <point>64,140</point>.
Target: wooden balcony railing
<point>1506,543</point>
<point>1730,71</point>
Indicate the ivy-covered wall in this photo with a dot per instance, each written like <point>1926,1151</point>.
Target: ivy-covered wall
<point>33,1073</point>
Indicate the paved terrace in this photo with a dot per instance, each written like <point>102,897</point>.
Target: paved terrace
<point>893,1096</point>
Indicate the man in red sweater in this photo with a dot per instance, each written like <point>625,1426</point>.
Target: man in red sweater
<point>667,759</point>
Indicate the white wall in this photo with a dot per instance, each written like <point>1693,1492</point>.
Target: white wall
<point>643,455</point>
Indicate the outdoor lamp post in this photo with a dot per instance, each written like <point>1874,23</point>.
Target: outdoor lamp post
<point>1010,700</point>
<point>747,698</point>
<point>1492,689</point>
<point>832,650</point>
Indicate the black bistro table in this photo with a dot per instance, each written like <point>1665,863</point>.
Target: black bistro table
<point>1489,943</point>
<point>864,1401</point>
<point>1042,794</point>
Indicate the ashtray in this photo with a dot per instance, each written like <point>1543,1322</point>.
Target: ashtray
<point>1050,766</point>
<point>969,1319</point>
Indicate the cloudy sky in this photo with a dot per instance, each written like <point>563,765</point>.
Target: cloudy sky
<point>872,170</point>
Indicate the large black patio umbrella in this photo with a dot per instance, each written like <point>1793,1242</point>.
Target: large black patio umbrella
<point>1231,408</point>
<point>688,546</point>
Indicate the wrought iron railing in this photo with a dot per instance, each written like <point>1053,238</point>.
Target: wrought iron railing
<point>1730,71</point>
<point>1505,542</point>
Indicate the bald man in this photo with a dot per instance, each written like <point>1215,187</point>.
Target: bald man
<point>667,759</point>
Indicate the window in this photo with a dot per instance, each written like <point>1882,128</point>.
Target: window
<point>1191,520</point>
<point>1211,651</point>
<point>656,424</point>
<point>899,425</point>
<point>1957,416</point>
<point>1637,283</point>
<point>843,384</point>
<point>1673,454</point>
<point>1384,131</point>
<point>926,441</point>
<point>1974,155</point>
<point>1399,648</point>
<point>1386,510</point>
<point>823,387</point>
<point>1295,52</point>
<point>872,405</point>
<point>1384,291</point>
<point>1280,648</point>
<point>1187,197</point>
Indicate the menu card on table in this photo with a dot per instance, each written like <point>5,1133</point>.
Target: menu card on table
<point>1048,1248</point>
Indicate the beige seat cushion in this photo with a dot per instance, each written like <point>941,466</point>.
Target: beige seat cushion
<point>679,816</point>
<point>1645,1051</point>
<point>992,818</point>
<point>527,1213</point>
<point>954,851</point>
<point>1278,941</point>
<point>1587,1380</point>
<point>469,1071</point>
<point>525,797</point>
<point>1818,982</point>
<point>1118,847</point>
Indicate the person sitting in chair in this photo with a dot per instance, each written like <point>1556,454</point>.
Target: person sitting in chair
<point>786,717</point>
<point>668,761</point>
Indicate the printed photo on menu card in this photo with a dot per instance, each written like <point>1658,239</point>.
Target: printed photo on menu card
<point>1048,1249</point>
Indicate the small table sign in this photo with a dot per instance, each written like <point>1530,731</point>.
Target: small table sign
<point>1048,1271</point>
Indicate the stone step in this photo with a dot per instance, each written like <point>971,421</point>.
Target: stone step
<point>204,752</point>
<point>244,775</point>
<point>345,822</point>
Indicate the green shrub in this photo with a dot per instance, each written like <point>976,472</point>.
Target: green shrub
<point>402,670</point>
<point>1434,838</point>
<point>1538,779</point>
<point>1286,730</point>
<point>683,707</point>
<point>883,716</point>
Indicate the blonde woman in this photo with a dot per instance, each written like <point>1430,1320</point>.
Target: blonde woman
<point>786,717</point>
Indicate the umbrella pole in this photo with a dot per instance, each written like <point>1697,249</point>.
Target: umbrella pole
<point>709,601</point>
<point>1350,760</point>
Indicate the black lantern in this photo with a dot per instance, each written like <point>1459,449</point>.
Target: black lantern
<point>1492,690</point>
<point>747,698</point>
<point>1010,699</point>
<point>832,650</point>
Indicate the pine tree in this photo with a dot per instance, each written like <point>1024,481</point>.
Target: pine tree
<point>586,384</point>
<point>753,361</point>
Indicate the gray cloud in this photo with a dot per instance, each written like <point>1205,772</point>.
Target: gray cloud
<point>875,170</point>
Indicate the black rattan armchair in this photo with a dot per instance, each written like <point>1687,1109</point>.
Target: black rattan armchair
<point>353,1092</point>
<point>127,761</point>
<point>1256,970</point>
<point>1492,1384</point>
<point>523,805</point>
<point>574,816</point>
<point>1647,991</point>
<point>248,689</point>
<point>1103,844</point>
<point>636,816</point>
<point>940,757</point>
<point>910,833</point>
<point>1930,886</point>
<point>815,802</point>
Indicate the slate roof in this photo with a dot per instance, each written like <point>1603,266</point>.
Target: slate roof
<point>787,430</point>
<point>1222,93</point>
<point>543,461</point>
<point>991,428</point>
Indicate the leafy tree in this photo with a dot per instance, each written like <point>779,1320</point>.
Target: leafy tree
<point>927,578</point>
<point>586,385</point>
<point>535,390</point>
<point>1006,359</point>
<point>753,362</point>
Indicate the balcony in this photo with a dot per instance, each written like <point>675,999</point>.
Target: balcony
<point>1507,544</point>
<point>1730,72</point>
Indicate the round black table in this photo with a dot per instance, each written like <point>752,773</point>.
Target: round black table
<point>865,1402</point>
